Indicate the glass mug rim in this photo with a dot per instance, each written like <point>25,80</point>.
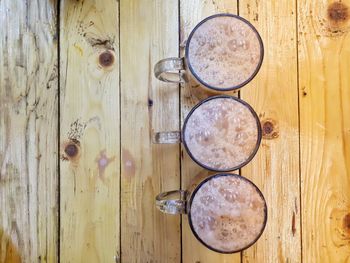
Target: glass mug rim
<point>179,69</point>
<point>188,204</point>
<point>188,61</point>
<point>251,156</point>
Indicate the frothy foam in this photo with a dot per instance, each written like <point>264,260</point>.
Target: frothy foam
<point>224,52</point>
<point>221,133</point>
<point>228,213</point>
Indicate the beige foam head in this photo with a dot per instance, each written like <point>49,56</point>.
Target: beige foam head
<point>228,213</point>
<point>224,52</point>
<point>222,133</point>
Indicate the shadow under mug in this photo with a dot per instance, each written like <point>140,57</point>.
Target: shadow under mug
<point>241,218</point>
<point>172,137</point>
<point>232,46</point>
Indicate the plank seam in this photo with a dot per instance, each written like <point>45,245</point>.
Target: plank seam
<point>120,142</point>
<point>179,94</point>
<point>298,86</point>
<point>58,132</point>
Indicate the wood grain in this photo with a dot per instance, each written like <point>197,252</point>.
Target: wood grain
<point>148,34</point>
<point>28,131</point>
<point>274,96</point>
<point>89,134</point>
<point>191,13</point>
<point>324,91</point>
<point>110,171</point>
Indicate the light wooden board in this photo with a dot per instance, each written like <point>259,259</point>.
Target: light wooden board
<point>70,106</point>
<point>324,55</point>
<point>89,131</point>
<point>191,13</point>
<point>148,34</point>
<point>28,131</point>
<point>274,96</point>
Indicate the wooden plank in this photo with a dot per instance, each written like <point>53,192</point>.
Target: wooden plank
<point>273,94</point>
<point>89,135</point>
<point>191,13</point>
<point>324,56</point>
<point>148,34</point>
<point>28,131</point>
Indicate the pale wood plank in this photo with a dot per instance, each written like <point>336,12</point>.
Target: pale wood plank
<point>28,131</point>
<point>89,135</point>
<point>324,55</point>
<point>192,12</point>
<point>273,94</point>
<point>149,32</point>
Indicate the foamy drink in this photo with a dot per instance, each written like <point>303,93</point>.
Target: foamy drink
<point>222,133</point>
<point>228,213</point>
<point>225,52</point>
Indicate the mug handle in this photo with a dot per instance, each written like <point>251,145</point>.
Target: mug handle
<point>171,70</point>
<point>172,202</point>
<point>169,137</point>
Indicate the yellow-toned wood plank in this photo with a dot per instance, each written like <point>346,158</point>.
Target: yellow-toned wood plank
<point>274,95</point>
<point>89,134</point>
<point>191,13</point>
<point>28,131</point>
<point>149,32</point>
<point>324,55</point>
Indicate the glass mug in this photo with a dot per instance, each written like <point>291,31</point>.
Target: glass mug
<point>221,133</point>
<point>226,212</point>
<point>223,53</point>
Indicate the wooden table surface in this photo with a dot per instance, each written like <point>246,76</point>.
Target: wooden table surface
<point>78,103</point>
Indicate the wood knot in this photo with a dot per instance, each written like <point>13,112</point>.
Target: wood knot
<point>338,12</point>
<point>346,223</point>
<point>150,102</point>
<point>106,58</point>
<point>71,150</point>
<point>269,129</point>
